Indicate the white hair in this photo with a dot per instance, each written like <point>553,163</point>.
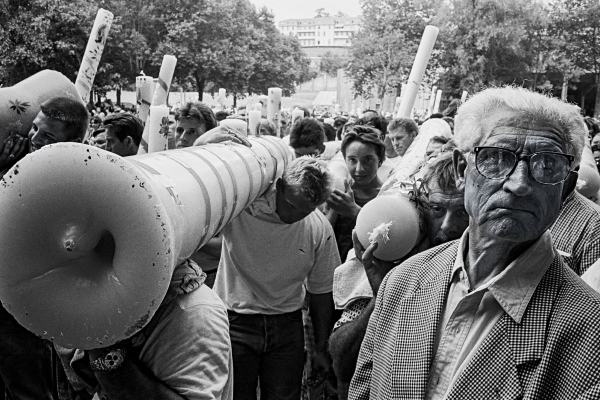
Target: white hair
<point>470,123</point>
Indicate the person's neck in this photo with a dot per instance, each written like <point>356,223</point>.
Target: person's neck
<point>486,257</point>
<point>390,153</point>
<point>368,189</point>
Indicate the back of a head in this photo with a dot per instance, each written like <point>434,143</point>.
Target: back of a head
<point>72,113</point>
<point>307,132</point>
<point>470,129</point>
<point>200,111</point>
<point>221,115</point>
<point>311,177</point>
<point>376,121</point>
<point>329,132</point>
<point>124,125</point>
<point>406,124</point>
<point>436,127</point>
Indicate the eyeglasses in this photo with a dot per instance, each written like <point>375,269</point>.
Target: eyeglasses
<point>546,167</point>
<point>595,148</point>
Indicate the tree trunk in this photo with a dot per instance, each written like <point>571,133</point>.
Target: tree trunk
<point>200,83</point>
<point>597,106</point>
<point>234,101</point>
<point>119,96</point>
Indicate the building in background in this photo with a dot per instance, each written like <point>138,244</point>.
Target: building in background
<point>322,31</point>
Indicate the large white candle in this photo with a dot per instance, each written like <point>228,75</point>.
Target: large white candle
<point>161,91</point>
<point>158,128</point>
<point>144,86</point>
<point>274,105</point>
<point>93,52</point>
<point>238,124</point>
<point>253,120</point>
<point>464,96</point>
<point>418,70</point>
<point>438,98</point>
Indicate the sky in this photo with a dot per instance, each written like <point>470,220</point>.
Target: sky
<point>288,9</point>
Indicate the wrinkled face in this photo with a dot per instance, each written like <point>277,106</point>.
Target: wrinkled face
<point>188,130</point>
<point>100,141</point>
<point>432,147</point>
<point>291,204</point>
<point>516,208</point>
<point>445,216</point>
<point>114,145</point>
<point>401,140</point>
<point>362,162</point>
<point>46,130</point>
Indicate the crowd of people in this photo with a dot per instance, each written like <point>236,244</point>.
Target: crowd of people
<point>287,303</point>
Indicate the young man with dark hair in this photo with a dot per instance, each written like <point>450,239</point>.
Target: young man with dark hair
<point>60,120</point>
<point>123,134</point>
<point>307,137</point>
<point>194,119</point>
<point>26,361</point>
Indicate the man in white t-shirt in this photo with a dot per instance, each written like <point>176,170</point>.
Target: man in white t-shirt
<point>274,252</point>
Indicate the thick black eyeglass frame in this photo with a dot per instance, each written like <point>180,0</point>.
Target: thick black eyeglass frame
<point>527,158</point>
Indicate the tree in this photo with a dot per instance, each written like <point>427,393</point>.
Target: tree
<point>482,42</point>
<point>330,63</point>
<point>382,53</point>
<point>320,13</point>
<point>42,34</point>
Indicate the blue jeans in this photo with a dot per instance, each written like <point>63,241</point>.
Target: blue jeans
<point>268,349</point>
<point>26,362</point>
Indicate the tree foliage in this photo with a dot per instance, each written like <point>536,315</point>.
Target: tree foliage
<point>218,43</point>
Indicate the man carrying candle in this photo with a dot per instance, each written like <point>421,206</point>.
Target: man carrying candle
<point>274,252</point>
<point>123,134</point>
<point>193,120</point>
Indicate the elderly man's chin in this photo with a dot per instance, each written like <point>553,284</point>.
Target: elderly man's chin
<point>513,228</point>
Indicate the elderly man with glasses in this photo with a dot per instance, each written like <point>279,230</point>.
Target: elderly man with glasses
<point>496,314</point>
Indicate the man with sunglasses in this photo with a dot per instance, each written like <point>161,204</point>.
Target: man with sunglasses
<point>496,314</point>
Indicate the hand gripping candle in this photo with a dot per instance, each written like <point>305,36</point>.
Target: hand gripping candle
<point>158,128</point>
<point>274,105</point>
<point>161,91</point>
<point>418,70</point>
<point>144,86</point>
<point>93,52</point>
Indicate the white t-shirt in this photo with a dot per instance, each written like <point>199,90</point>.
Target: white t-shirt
<point>266,263</point>
<point>387,168</point>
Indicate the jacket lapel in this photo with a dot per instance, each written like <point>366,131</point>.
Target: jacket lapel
<point>506,361</point>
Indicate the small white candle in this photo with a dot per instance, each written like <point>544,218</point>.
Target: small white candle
<point>296,114</point>
<point>438,98</point>
<point>144,91</point>
<point>274,105</point>
<point>432,99</point>
<point>253,120</point>
<point>464,96</point>
<point>158,128</point>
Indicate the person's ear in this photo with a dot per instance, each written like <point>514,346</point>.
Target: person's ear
<point>459,165</point>
<point>569,184</point>
<point>128,141</point>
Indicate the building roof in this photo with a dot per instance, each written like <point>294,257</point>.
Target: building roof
<point>321,21</point>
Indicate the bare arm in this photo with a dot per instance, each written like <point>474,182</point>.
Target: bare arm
<point>344,343</point>
<point>321,314</point>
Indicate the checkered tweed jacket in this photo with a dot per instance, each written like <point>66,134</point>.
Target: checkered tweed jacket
<point>554,353</point>
<point>577,232</point>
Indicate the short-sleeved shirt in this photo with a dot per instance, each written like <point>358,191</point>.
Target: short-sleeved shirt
<point>266,263</point>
